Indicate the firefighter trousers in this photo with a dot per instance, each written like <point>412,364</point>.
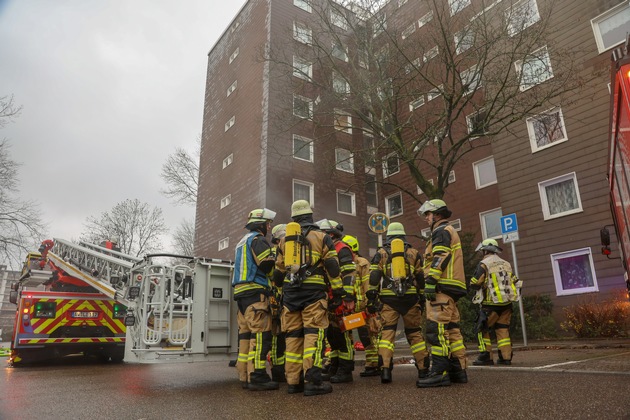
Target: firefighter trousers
<point>412,320</point>
<point>448,351</point>
<point>305,331</point>
<point>254,334</point>
<point>499,319</point>
<point>278,343</point>
<point>340,346</point>
<point>369,335</point>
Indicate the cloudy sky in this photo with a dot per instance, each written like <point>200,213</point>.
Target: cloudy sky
<point>109,88</point>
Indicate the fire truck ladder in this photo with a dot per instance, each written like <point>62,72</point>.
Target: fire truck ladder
<point>107,271</point>
<point>165,304</point>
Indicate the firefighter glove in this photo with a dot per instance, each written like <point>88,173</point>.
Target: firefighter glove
<point>337,299</point>
<point>429,289</point>
<point>422,301</point>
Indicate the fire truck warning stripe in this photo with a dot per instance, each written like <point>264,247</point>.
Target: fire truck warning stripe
<point>71,340</point>
<point>47,326</point>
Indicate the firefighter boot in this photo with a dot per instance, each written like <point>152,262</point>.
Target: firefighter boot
<point>299,388</point>
<point>386,372</point>
<point>330,369</point>
<point>370,371</point>
<point>344,372</point>
<point>314,383</point>
<point>484,359</point>
<point>259,380</point>
<point>438,375</point>
<point>423,371</point>
<point>277,373</point>
<point>456,374</point>
<point>502,361</point>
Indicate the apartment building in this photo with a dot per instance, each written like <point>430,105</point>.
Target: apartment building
<point>264,143</point>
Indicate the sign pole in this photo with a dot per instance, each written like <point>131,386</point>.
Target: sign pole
<point>520,297</point>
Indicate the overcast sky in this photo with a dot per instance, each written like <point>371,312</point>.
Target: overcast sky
<point>109,88</point>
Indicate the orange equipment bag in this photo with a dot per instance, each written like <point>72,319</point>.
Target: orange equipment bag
<point>350,322</point>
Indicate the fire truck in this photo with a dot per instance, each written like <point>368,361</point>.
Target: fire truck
<point>82,297</point>
<point>619,157</point>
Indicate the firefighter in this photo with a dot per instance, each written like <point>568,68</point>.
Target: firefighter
<point>497,287</point>
<point>445,283</point>
<point>311,259</point>
<point>368,334</point>
<point>396,279</point>
<point>253,264</point>
<point>278,343</point>
<point>341,357</point>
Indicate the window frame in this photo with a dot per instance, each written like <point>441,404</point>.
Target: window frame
<point>233,55</point>
<point>514,11</point>
<point>226,201</point>
<point>600,18</point>
<point>338,19</point>
<point>426,18</point>
<point>311,190</point>
<point>557,275</point>
<point>338,79</point>
<point>227,161</point>
<point>461,36</point>
<point>344,160</point>
<point>387,206</point>
<point>337,46</point>
<point>475,81</point>
<point>476,174</point>
<point>431,53</point>
<point>298,72</point>
<point>519,69</point>
<point>337,119</point>
<point>542,185</point>
<point>386,173</point>
<point>417,103</point>
<point>308,146</point>
<point>532,132</point>
<point>224,243</point>
<point>353,202</point>
<point>436,92</point>
<point>470,125</point>
<point>310,106</point>
<point>297,35</point>
<point>406,33</point>
<point>230,123</point>
<point>484,226</point>
<point>456,6</point>
<point>232,88</point>
<point>304,5</point>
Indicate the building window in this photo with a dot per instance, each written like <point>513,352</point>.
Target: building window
<point>433,52</point>
<point>225,201</point>
<point>303,4</point>
<point>340,85</point>
<point>343,121</point>
<point>303,190</point>
<point>457,5</point>
<point>380,24</point>
<point>230,123</point>
<point>346,203</point>
<point>434,93</point>
<point>371,196</point>
<point>451,177</point>
<point>339,51</point>
<point>546,129</point>
<point>228,160</point>
<point>611,27</point>
<point>401,2</point>
<point>234,55</point>
<point>224,243</point>
<point>302,69</point>
<point>394,205</point>
<point>425,19</point>
<point>302,107</point>
<point>477,124</point>
<point>302,33</point>
<point>521,15</point>
<point>491,223</point>
<point>560,196</point>
<point>363,58</point>
<point>416,104</point>
<point>534,69</point>
<point>232,88</point>
<point>464,40</point>
<point>338,19</point>
<point>408,31</point>
<point>457,224</point>
<point>485,173</point>
<point>471,80</point>
<point>391,165</point>
<point>344,160</point>
<point>574,272</point>
<point>302,148</point>
<point>419,190</point>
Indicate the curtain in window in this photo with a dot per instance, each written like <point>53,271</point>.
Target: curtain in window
<point>561,197</point>
<point>575,272</point>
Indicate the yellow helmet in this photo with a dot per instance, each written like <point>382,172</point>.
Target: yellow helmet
<point>395,229</point>
<point>352,242</point>
<point>278,232</point>
<point>434,206</point>
<point>260,215</point>
<point>489,245</point>
<point>301,207</point>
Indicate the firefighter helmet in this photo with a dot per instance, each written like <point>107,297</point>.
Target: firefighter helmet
<point>300,207</point>
<point>395,229</point>
<point>489,245</point>
<point>352,242</point>
<point>436,206</point>
<point>278,232</point>
<point>260,215</point>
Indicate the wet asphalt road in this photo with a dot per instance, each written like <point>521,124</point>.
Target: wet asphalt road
<point>543,383</point>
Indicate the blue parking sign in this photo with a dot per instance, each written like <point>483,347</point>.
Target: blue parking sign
<point>509,224</point>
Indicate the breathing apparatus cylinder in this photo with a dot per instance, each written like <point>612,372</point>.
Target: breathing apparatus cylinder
<point>398,259</point>
<point>293,248</point>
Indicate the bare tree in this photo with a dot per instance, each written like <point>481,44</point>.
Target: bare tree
<point>422,91</point>
<point>21,226</point>
<point>135,226</point>
<point>180,172</point>
<point>184,238</point>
